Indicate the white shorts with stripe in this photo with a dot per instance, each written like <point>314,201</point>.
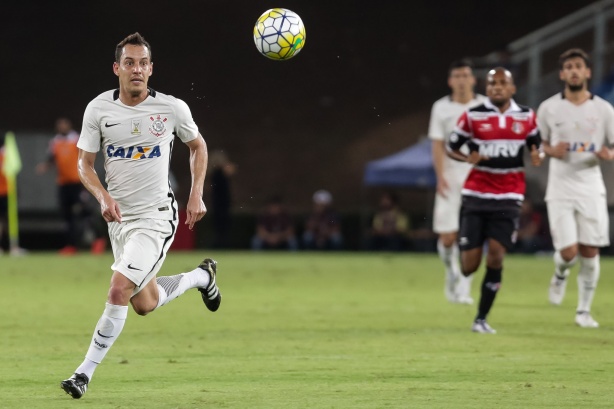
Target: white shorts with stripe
<point>584,221</point>
<point>140,247</point>
<point>446,214</point>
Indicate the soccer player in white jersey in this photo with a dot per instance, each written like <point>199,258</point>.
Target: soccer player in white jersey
<point>134,128</point>
<point>451,175</point>
<point>575,126</point>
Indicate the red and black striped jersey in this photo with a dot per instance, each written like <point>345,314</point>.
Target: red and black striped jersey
<point>501,138</point>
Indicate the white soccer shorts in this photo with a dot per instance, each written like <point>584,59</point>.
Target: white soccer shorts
<point>140,247</point>
<point>446,213</point>
<point>584,221</point>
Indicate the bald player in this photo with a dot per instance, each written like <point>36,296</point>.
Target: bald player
<point>496,133</point>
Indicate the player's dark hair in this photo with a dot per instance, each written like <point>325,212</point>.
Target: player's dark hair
<point>462,63</point>
<point>574,53</point>
<point>133,39</point>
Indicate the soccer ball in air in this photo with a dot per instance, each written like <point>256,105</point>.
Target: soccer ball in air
<point>279,34</point>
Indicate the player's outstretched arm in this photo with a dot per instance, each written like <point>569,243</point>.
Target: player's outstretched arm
<point>198,167</point>
<point>108,206</point>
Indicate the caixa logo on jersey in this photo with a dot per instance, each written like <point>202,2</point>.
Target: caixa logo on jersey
<point>582,147</point>
<point>133,152</point>
<point>504,150</point>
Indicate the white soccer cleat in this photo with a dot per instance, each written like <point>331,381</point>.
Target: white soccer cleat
<point>556,292</point>
<point>482,327</point>
<point>584,320</point>
<point>464,299</point>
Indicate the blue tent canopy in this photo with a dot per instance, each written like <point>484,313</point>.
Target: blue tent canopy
<point>411,167</point>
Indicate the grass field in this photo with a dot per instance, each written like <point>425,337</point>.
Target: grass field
<point>305,330</point>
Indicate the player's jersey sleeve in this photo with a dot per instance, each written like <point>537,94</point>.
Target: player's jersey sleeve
<point>436,128</point>
<point>542,121</point>
<point>185,127</point>
<point>89,139</point>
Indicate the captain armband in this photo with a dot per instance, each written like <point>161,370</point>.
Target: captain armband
<point>456,141</point>
<point>534,140</point>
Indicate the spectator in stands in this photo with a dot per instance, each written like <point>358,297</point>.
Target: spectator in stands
<point>322,227</point>
<point>530,229</point>
<point>390,225</point>
<point>530,237</point>
<point>221,171</point>
<point>274,229</point>
<point>63,153</point>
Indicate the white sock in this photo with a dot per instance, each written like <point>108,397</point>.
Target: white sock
<point>171,287</point>
<point>463,287</point>
<point>107,330</point>
<point>588,276</point>
<point>87,367</point>
<point>561,267</point>
<point>448,254</point>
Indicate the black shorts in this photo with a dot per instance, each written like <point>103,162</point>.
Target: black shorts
<point>483,219</point>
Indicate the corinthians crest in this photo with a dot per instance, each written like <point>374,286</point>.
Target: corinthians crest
<point>157,127</point>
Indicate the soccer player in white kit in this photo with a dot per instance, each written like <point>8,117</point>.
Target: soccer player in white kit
<point>575,126</point>
<point>134,127</point>
<point>451,175</point>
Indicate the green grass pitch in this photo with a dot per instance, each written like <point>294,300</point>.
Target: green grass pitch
<point>305,330</point>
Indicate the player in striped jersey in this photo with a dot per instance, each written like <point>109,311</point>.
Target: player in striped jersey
<point>576,126</point>
<point>135,128</point>
<point>496,133</point>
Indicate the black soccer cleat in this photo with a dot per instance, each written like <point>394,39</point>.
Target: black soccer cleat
<point>76,385</point>
<point>212,297</point>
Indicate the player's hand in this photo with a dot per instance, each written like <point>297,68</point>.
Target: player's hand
<point>442,186</point>
<point>474,158</point>
<point>536,156</point>
<point>559,150</point>
<point>195,211</point>
<point>605,153</point>
<point>110,209</point>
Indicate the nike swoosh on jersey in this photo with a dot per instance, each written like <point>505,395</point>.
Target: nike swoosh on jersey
<point>133,268</point>
<point>108,125</point>
<point>104,336</point>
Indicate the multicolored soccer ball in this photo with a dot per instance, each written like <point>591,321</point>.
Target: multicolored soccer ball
<point>279,34</point>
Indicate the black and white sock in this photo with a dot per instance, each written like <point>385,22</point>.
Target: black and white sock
<point>171,287</point>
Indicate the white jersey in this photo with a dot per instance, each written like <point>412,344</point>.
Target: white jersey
<point>444,115</point>
<point>136,143</point>
<point>587,128</point>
